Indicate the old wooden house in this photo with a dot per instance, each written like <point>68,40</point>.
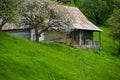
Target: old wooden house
<point>81,34</point>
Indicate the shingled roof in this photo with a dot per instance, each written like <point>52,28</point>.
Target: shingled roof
<point>80,21</point>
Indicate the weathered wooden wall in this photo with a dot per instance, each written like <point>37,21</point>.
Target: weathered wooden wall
<point>74,35</point>
<point>79,37</point>
<point>20,33</point>
<point>54,36</point>
<point>88,35</point>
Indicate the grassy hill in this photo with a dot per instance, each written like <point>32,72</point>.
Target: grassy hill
<point>22,59</point>
<point>109,46</point>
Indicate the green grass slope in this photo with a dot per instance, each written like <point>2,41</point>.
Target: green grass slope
<point>26,60</point>
<point>108,44</point>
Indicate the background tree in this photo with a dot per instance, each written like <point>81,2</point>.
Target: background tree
<point>115,29</point>
<point>44,14</point>
<point>117,3</point>
<point>97,11</point>
<point>8,11</point>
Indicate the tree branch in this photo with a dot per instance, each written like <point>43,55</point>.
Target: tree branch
<point>4,21</point>
<point>43,30</point>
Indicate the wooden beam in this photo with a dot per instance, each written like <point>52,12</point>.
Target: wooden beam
<point>100,39</point>
<point>99,36</point>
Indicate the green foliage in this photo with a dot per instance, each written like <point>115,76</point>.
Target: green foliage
<point>108,44</point>
<point>67,3</point>
<point>97,11</point>
<point>26,60</point>
<point>115,22</point>
<point>117,3</point>
<point>9,9</point>
<point>115,26</point>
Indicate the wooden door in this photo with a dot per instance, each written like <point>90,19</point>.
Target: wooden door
<point>81,38</point>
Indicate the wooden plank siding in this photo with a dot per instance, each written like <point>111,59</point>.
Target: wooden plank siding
<point>23,33</point>
<point>74,35</point>
<point>54,36</point>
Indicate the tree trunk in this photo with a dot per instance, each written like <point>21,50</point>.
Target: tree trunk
<point>37,38</point>
<point>98,22</point>
<point>37,35</point>
<point>2,24</point>
<point>44,30</point>
<point>0,28</point>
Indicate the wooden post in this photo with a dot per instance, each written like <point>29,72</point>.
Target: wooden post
<point>99,36</point>
<point>100,39</point>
